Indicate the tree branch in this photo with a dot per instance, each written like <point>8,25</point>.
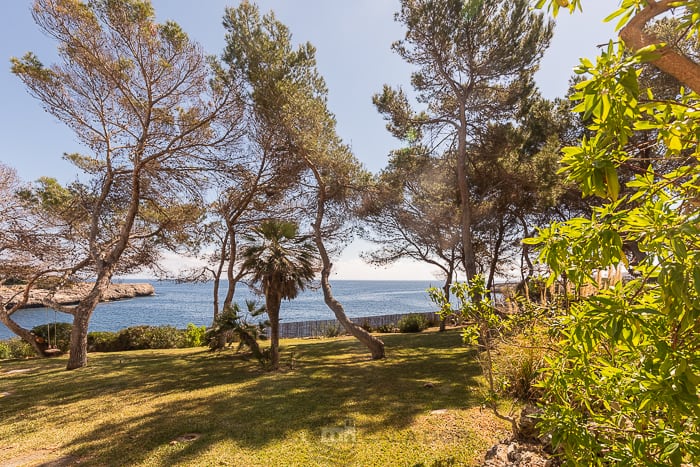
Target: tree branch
<point>680,67</point>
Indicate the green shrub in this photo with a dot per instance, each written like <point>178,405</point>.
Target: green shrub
<point>165,337</point>
<point>15,348</point>
<point>150,337</point>
<point>194,336</point>
<point>103,341</point>
<point>232,324</point>
<point>520,374</point>
<point>331,330</point>
<point>413,323</point>
<point>60,334</point>
<point>366,326</point>
<point>387,328</point>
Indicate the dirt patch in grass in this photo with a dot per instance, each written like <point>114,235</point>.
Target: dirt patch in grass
<point>186,438</point>
<point>19,370</point>
<point>41,458</point>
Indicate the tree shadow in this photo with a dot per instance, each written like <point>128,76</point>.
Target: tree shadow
<point>322,384</point>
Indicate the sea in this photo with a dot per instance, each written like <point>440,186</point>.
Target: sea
<point>177,304</point>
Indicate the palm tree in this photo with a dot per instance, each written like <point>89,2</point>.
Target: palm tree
<point>282,263</point>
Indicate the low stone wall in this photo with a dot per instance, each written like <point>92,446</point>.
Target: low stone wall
<point>72,295</point>
<point>321,328</point>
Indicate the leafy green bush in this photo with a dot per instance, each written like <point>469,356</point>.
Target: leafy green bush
<point>194,335</point>
<point>59,334</point>
<point>413,323</point>
<point>366,326</point>
<point>132,338</point>
<point>387,328</point>
<point>331,330</point>
<point>150,337</point>
<point>103,341</point>
<point>165,337</point>
<point>233,323</point>
<point>15,348</point>
<point>624,385</point>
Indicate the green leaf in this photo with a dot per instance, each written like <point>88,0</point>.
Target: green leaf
<point>532,240</point>
<point>649,53</point>
<point>674,142</point>
<point>612,182</point>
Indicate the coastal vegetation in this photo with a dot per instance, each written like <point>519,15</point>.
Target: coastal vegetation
<point>238,162</point>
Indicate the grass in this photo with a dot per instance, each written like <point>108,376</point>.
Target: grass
<point>191,407</point>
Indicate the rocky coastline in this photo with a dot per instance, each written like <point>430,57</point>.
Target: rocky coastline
<point>73,294</point>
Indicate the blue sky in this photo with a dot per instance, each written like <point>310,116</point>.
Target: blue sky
<point>353,41</point>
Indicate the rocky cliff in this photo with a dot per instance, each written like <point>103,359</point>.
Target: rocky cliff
<point>72,295</point>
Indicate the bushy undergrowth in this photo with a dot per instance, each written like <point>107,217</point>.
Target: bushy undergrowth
<point>56,335</point>
<point>367,326</point>
<point>151,337</point>
<point>413,323</point>
<point>132,338</point>
<point>195,335</point>
<point>519,374</point>
<point>146,337</point>
<point>15,348</point>
<point>232,325</point>
<point>387,328</point>
<point>331,330</point>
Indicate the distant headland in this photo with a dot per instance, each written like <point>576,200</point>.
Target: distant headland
<point>73,294</point>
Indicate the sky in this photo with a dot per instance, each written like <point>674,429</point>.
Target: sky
<point>353,43</point>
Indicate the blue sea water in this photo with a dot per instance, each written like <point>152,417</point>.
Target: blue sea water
<point>179,304</point>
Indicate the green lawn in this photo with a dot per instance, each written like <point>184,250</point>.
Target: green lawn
<point>192,407</point>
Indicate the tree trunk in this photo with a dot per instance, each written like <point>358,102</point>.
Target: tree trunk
<point>373,344</point>
<point>273,303</point>
<point>495,258</point>
<point>250,341</point>
<point>231,290</point>
<point>446,291</point>
<point>217,281</point>
<point>24,334</point>
<point>526,254</point>
<point>669,61</point>
<point>81,319</point>
<point>469,258</point>
<point>78,340</point>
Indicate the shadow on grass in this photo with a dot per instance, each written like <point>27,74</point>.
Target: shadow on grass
<point>226,399</point>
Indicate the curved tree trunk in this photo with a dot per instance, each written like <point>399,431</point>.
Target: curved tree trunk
<point>679,66</point>
<point>375,345</point>
<point>525,258</point>
<point>249,340</point>
<point>25,334</point>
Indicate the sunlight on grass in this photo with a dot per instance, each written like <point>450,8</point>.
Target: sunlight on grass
<point>330,405</point>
